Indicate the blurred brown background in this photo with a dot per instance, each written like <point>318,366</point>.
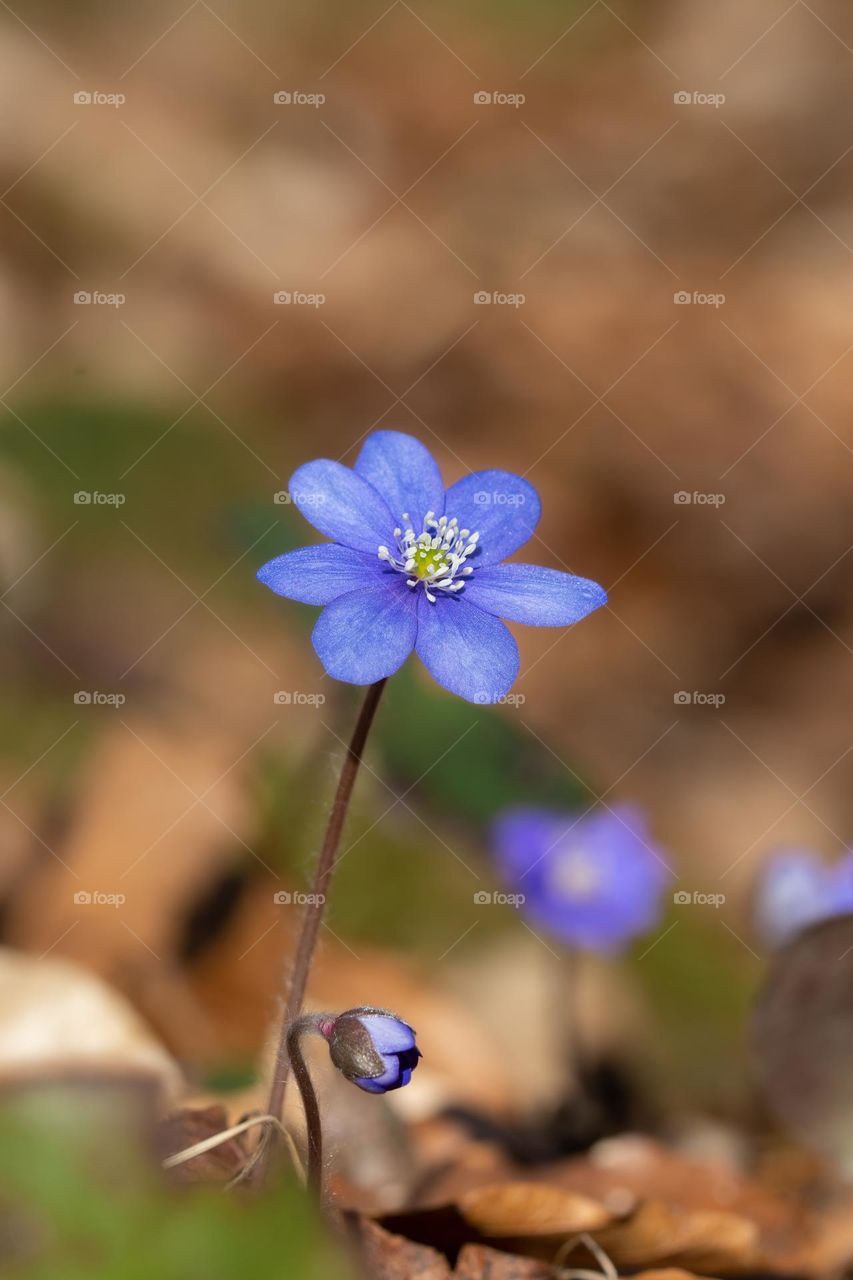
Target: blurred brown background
<point>657,201</point>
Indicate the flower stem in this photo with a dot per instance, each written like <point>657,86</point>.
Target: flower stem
<point>307,1023</point>
<point>313,914</point>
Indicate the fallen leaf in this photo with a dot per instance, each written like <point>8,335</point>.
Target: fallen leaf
<point>56,1017</point>
<point>668,1273</point>
<point>530,1209</point>
<point>392,1257</point>
<point>477,1262</point>
<point>708,1239</point>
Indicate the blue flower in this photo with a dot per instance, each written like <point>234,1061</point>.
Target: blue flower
<point>373,1048</point>
<point>796,889</point>
<point>593,882</point>
<point>411,566</point>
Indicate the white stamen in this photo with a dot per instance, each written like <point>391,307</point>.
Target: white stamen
<point>435,557</point>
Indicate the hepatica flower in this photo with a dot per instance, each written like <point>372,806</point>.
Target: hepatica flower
<point>373,1048</point>
<point>594,883</point>
<point>412,566</point>
<point>796,888</point>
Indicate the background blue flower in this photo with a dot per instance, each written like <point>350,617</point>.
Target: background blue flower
<point>593,882</point>
<point>412,566</point>
<point>796,888</point>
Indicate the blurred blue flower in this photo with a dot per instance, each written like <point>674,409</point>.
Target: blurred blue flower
<point>593,882</point>
<point>373,1048</point>
<point>796,888</point>
<point>411,566</point>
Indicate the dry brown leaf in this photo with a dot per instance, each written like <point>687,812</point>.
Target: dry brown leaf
<point>478,1262</point>
<point>707,1239</point>
<point>392,1257</point>
<point>520,1209</point>
<point>625,1171</point>
<point>815,1241</point>
<point>668,1273</point>
<point>56,1017</point>
<point>658,1207</point>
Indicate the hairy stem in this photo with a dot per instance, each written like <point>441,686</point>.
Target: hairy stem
<point>313,913</point>
<point>307,1025</point>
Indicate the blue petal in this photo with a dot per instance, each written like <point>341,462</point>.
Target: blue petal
<point>342,505</point>
<point>318,575</point>
<point>390,1078</point>
<point>539,597</point>
<point>370,1086</point>
<point>502,507</point>
<point>468,651</point>
<point>389,1034</point>
<point>794,891</point>
<point>405,473</point>
<point>523,835</point>
<point>367,634</point>
<point>841,884</point>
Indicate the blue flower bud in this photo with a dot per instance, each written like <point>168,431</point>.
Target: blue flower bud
<point>373,1048</point>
